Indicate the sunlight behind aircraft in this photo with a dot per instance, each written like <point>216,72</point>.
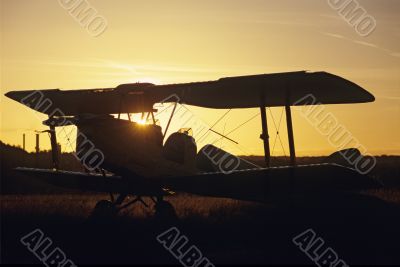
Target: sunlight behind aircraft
<point>190,43</point>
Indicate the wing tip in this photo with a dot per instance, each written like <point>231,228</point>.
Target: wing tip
<point>369,97</point>
<point>10,94</point>
<point>363,95</point>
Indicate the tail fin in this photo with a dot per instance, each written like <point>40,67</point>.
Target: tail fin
<point>346,157</point>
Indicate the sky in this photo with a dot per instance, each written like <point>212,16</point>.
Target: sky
<point>43,46</point>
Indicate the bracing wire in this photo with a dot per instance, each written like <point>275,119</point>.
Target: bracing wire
<point>225,135</point>
<point>68,137</point>
<point>223,116</point>
<point>277,136</point>
<point>241,125</point>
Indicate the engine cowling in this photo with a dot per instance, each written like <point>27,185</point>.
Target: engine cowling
<point>181,148</point>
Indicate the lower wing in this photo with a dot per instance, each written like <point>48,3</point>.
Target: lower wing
<point>266,185</point>
<point>94,182</point>
<point>261,185</point>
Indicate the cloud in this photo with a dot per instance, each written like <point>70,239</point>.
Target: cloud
<point>334,35</point>
<point>329,16</point>
<point>371,45</point>
<point>389,97</point>
<point>366,44</point>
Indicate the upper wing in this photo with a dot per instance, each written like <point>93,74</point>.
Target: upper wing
<point>278,89</point>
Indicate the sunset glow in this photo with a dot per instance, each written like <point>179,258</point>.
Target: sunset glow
<point>161,42</point>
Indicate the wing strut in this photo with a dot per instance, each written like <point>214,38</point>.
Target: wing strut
<point>264,135</point>
<point>54,147</point>
<point>290,135</point>
<point>170,119</point>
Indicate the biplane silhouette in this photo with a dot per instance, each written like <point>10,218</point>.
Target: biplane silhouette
<point>138,161</point>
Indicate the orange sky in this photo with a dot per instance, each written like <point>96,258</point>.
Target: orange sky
<point>43,47</point>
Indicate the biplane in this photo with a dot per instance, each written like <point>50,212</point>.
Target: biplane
<point>138,162</point>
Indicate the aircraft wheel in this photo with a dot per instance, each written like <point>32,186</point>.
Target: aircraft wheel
<point>165,211</point>
<point>104,209</point>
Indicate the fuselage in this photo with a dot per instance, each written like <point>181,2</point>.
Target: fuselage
<point>134,147</point>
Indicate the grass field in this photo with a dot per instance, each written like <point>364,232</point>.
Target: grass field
<point>186,206</point>
<point>363,229</point>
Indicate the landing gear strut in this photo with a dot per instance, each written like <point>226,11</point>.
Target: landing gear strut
<point>104,209</point>
<point>164,210</point>
<point>109,208</point>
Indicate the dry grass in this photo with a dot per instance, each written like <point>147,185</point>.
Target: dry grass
<point>74,205</point>
<point>226,230</point>
<point>186,206</point>
<point>389,195</point>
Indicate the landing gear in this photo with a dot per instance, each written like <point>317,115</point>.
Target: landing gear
<point>164,210</point>
<point>107,209</point>
<point>104,209</point>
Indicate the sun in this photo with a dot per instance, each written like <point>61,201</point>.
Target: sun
<point>142,121</point>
